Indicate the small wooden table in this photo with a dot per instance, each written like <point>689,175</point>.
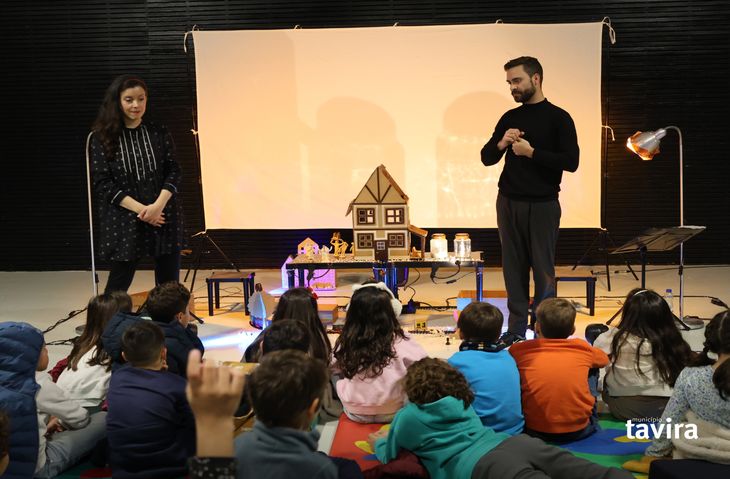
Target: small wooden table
<point>590,281</point>
<point>214,293</point>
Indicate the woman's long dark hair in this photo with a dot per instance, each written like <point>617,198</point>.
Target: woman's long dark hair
<point>100,310</point>
<point>717,340</point>
<point>301,305</point>
<point>366,344</point>
<point>109,120</point>
<point>647,316</point>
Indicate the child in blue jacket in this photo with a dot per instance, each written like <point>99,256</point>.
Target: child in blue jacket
<point>489,368</point>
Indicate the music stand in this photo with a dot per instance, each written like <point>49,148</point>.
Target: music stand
<point>660,239</point>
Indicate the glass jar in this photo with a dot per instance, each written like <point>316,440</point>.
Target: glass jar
<point>462,246</point>
<point>439,246</point>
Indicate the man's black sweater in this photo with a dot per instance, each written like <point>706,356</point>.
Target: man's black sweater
<point>551,132</point>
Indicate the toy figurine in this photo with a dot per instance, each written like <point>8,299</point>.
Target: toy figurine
<point>340,246</point>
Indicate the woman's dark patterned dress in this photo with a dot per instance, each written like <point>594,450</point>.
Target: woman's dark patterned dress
<point>143,164</point>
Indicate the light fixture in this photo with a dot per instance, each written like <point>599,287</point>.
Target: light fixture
<point>646,145</point>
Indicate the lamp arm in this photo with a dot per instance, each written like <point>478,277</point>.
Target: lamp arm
<point>681,174</point>
<point>681,222</point>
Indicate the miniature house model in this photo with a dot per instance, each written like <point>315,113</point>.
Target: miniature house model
<point>380,217</point>
<point>308,247</point>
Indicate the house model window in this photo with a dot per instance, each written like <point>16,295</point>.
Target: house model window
<point>396,240</point>
<point>394,216</point>
<point>365,240</point>
<point>365,216</point>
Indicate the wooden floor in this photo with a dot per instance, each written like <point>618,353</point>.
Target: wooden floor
<point>42,298</point>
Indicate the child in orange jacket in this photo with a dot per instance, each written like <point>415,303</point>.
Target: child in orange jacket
<point>557,402</point>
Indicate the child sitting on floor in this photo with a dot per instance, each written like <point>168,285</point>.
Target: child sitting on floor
<point>299,304</point>
<point>702,396</point>
<point>285,334</point>
<point>50,432</point>
<point>88,367</point>
<point>489,368</point>
<point>285,390</point>
<point>556,399</point>
<point>150,426</point>
<point>372,355</point>
<point>439,426</point>
<point>647,354</point>
<point>168,305</point>
<point>279,336</point>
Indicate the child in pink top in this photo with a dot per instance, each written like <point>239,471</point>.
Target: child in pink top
<point>372,355</point>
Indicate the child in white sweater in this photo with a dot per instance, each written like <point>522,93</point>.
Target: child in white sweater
<point>87,373</point>
<point>647,354</point>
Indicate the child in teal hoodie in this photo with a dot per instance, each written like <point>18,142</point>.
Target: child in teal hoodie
<point>439,426</point>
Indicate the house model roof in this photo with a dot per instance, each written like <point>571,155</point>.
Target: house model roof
<point>380,188</point>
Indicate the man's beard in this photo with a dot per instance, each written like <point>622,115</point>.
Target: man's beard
<point>524,96</point>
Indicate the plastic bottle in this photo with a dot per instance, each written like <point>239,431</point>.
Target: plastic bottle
<point>669,298</point>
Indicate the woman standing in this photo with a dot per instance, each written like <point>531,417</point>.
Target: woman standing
<point>135,178</point>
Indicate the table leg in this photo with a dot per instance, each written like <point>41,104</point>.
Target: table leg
<point>591,294</point>
<point>246,294</point>
<point>210,297</point>
<point>392,279</point>
<point>479,273</point>
<point>380,274</point>
<point>251,283</point>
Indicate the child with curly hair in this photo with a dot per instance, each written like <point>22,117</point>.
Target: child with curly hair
<point>372,355</point>
<point>439,426</point>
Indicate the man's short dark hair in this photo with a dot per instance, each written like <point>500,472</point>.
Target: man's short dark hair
<point>166,300</point>
<point>480,321</point>
<point>286,334</point>
<point>283,387</point>
<point>142,343</point>
<point>530,64</point>
<point>556,317</point>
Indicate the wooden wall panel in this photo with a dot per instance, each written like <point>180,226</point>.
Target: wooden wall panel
<point>668,67</point>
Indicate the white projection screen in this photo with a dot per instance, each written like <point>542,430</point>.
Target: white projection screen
<point>292,123</point>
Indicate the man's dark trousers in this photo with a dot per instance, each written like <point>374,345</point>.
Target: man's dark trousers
<point>528,232</point>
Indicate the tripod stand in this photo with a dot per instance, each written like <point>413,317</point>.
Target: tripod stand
<point>603,238</point>
<point>205,237</point>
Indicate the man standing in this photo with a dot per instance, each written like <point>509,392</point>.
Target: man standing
<point>541,143</point>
